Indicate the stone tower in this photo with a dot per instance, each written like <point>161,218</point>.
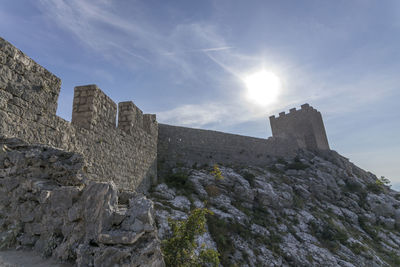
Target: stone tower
<point>304,125</point>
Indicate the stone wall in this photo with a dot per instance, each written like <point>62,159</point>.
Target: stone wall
<point>28,102</point>
<point>304,125</point>
<point>26,80</point>
<point>47,203</point>
<point>195,146</point>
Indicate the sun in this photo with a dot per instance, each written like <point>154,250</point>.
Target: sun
<point>263,87</point>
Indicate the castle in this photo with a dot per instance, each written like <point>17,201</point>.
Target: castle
<point>129,151</point>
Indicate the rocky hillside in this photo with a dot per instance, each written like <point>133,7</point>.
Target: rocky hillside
<point>311,210</point>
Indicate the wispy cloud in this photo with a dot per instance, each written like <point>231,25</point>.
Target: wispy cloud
<point>132,40</point>
<point>216,48</point>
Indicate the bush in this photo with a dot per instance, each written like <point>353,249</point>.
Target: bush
<point>375,188</point>
<point>177,180</point>
<point>282,161</point>
<point>249,177</point>
<point>353,187</point>
<point>217,173</point>
<point>180,249</point>
<point>357,248</point>
<point>297,165</point>
<point>370,230</point>
<point>219,230</point>
<point>329,234</point>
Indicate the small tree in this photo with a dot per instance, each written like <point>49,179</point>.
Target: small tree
<point>180,249</point>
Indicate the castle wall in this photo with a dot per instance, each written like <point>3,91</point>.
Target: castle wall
<point>28,103</point>
<point>195,146</point>
<point>304,125</point>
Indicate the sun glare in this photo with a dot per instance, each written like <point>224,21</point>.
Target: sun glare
<point>263,87</point>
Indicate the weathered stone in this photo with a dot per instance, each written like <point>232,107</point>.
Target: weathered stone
<point>124,238</point>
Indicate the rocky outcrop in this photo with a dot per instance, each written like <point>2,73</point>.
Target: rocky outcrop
<point>311,210</point>
<point>47,204</point>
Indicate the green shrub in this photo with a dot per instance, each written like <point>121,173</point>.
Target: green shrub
<point>249,177</point>
<point>219,231</point>
<point>393,258</point>
<point>179,249</point>
<point>297,165</point>
<point>329,234</point>
<point>383,181</point>
<point>274,169</point>
<point>375,188</point>
<point>298,201</point>
<point>370,230</point>
<point>357,248</point>
<point>216,172</point>
<point>281,161</point>
<point>177,180</point>
<point>353,187</point>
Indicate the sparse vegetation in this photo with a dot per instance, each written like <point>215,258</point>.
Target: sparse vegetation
<point>329,234</point>
<point>369,229</point>
<point>216,172</point>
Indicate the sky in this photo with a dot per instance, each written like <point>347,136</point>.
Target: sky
<point>187,61</point>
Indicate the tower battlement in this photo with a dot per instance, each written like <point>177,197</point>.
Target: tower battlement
<point>304,125</point>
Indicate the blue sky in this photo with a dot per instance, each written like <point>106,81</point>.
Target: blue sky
<point>185,61</point>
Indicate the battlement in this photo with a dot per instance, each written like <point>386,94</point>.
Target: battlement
<point>93,108</point>
<point>304,125</point>
<point>125,154</point>
<point>130,116</point>
<point>293,112</point>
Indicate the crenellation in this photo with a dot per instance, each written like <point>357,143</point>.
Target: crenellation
<point>92,108</point>
<point>304,125</point>
<point>129,117</point>
<point>305,106</point>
